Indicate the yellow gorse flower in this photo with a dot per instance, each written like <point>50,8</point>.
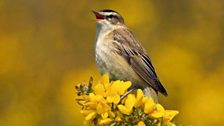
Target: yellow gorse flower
<point>128,106</point>
<point>102,105</point>
<point>139,98</point>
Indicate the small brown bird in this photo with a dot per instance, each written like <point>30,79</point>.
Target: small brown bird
<point>120,54</point>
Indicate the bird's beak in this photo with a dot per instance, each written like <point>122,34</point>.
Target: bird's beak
<point>98,15</point>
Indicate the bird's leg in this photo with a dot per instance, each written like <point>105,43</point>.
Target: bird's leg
<point>128,92</point>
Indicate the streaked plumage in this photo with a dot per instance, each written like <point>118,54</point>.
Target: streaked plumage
<point>120,54</point>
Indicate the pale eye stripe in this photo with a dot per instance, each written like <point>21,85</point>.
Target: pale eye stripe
<point>111,14</point>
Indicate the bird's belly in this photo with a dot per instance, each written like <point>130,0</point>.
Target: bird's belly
<point>108,61</point>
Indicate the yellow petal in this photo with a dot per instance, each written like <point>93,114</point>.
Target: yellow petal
<point>86,112</point>
<point>159,107</point>
<point>99,109</point>
<point>111,114</point>
<point>169,115</point>
<point>119,87</point>
<point>158,113</point>
<point>116,99</point>
<point>113,99</point>
<point>105,121</point>
<point>124,110</point>
<point>118,119</point>
<point>99,89</point>
<point>102,108</point>
<point>139,98</point>
<point>94,100</point>
<point>104,115</point>
<point>90,116</point>
<point>129,103</point>
<point>124,86</point>
<point>99,98</point>
<point>109,99</point>
<point>105,81</point>
<point>149,105</point>
<point>82,102</point>
<point>141,123</point>
<point>92,105</point>
<point>91,97</point>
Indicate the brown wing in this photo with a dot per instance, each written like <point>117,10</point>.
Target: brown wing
<point>137,57</point>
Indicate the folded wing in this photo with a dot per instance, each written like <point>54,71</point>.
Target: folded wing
<point>137,57</point>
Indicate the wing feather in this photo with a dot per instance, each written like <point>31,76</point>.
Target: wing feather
<point>137,57</point>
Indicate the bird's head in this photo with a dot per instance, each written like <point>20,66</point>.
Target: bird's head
<point>108,18</point>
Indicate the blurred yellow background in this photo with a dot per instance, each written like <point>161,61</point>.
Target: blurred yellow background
<point>47,46</point>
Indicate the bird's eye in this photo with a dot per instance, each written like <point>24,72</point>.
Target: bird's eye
<point>109,17</point>
<point>112,19</point>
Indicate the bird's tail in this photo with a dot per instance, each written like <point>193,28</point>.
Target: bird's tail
<point>161,88</point>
